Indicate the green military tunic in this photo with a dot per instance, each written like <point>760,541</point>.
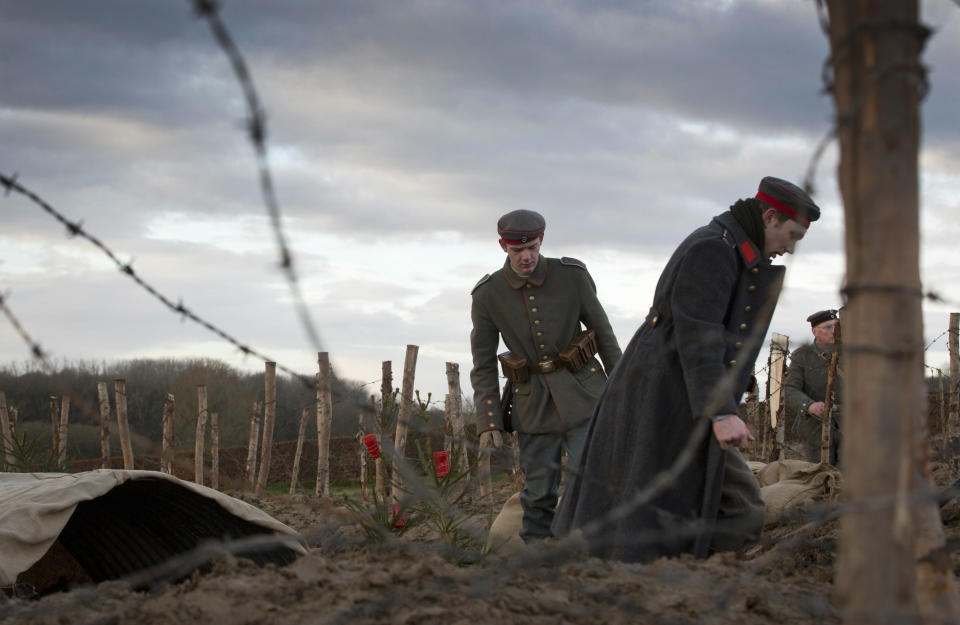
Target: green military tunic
<point>538,316</point>
<point>806,384</point>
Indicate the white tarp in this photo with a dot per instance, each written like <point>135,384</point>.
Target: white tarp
<point>35,507</point>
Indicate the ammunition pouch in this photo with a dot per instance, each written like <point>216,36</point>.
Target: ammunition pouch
<point>514,367</point>
<point>581,350</point>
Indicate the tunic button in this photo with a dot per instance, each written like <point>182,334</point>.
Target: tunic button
<point>738,344</point>
<point>532,297</point>
<point>534,309</point>
<point>755,271</point>
<point>545,357</point>
<point>733,363</point>
<point>489,414</point>
<point>654,320</point>
<point>536,322</point>
<point>751,289</point>
<point>743,326</point>
<point>542,345</point>
<point>593,369</point>
<point>539,333</point>
<point>747,309</point>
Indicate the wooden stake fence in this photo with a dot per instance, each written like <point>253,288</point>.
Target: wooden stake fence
<point>62,431</point>
<point>324,423</point>
<point>167,444</point>
<point>301,433</point>
<point>103,395</point>
<point>829,403</point>
<point>250,472</point>
<point>214,451</point>
<point>199,441</point>
<point>386,406</point>
<point>6,431</point>
<point>269,417</point>
<point>361,432</point>
<point>54,426</point>
<point>952,434</point>
<point>458,448</point>
<point>123,428</point>
<point>403,421</point>
<point>779,348</point>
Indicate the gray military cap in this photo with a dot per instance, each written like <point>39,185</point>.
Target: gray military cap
<point>789,199</point>
<point>520,226</point>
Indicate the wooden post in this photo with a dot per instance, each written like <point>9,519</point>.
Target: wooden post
<point>54,426</point>
<point>517,471</point>
<point>167,445</point>
<point>765,452</point>
<point>199,442</point>
<point>459,447</point>
<point>324,424</point>
<point>403,421</point>
<point>485,485</point>
<point>878,75</point>
<point>361,432</point>
<point>123,428</point>
<point>301,434</point>
<point>753,415</point>
<point>779,348</point>
<point>269,417</point>
<point>952,434</point>
<point>829,403</point>
<point>6,432</point>
<point>214,451</point>
<point>386,393</point>
<point>250,472</point>
<point>62,432</point>
<point>103,394</point>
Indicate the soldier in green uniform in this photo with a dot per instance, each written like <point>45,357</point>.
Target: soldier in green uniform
<point>537,305</point>
<point>805,388</point>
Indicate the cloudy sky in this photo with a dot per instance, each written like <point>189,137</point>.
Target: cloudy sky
<point>398,132</point>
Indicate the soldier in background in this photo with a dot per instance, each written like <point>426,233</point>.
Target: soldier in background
<point>805,387</point>
<point>537,305</point>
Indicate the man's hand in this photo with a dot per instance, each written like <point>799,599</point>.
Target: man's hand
<point>491,439</point>
<point>816,409</point>
<point>732,431</point>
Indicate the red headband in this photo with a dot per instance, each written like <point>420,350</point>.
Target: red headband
<point>783,208</point>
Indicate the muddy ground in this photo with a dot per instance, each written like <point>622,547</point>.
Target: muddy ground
<point>411,579</point>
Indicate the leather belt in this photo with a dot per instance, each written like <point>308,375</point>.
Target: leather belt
<point>546,366</point>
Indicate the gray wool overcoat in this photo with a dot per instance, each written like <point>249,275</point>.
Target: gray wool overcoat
<point>690,360</point>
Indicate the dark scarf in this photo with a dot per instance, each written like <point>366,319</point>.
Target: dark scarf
<point>749,214</point>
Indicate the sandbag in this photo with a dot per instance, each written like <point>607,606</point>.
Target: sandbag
<point>813,483</point>
<point>504,537</point>
<point>780,470</point>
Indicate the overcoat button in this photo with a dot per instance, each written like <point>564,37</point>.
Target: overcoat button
<point>733,363</point>
<point>534,309</point>
<point>738,344</point>
<point>755,271</point>
<point>751,289</point>
<point>536,322</point>
<point>747,309</point>
<point>743,326</point>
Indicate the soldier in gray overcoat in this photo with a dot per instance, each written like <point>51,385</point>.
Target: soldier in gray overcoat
<point>805,388</point>
<point>669,410</point>
<point>538,305</point>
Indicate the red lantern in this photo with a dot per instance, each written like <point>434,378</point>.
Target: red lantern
<point>370,440</point>
<point>441,462</point>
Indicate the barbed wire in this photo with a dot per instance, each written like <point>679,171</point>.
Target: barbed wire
<point>257,132</point>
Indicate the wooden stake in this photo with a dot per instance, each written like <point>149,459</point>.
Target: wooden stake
<point>104,396</point>
<point>167,444</point>
<point>250,472</point>
<point>199,442</point>
<point>753,416</point>
<point>779,348</point>
<point>6,432</point>
<point>324,423</point>
<point>829,403</point>
<point>386,394</point>
<point>269,417</point>
<point>361,432</point>
<point>456,417</point>
<point>301,433</point>
<point>123,428</point>
<point>214,451</point>
<point>952,434</point>
<point>62,432</point>
<point>54,426</point>
<point>403,421</point>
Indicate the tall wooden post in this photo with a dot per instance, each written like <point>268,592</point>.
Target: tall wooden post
<point>103,395</point>
<point>829,403</point>
<point>403,421</point>
<point>167,446</point>
<point>456,416</point>
<point>6,432</point>
<point>779,348</point>
<point>123,428</point>
<point>952,434</point>
<point>214,451</point>
<point>753,414</point>
<point>250,472</point>
<point>54,426</point>
<point>269,417</point>
<point>301,434</point>
<point>386,393</point>
<point>62,432</point>
<point>200,440</point>
<point>362,449</point>
<point>877,77</point>
<point>324,423</point>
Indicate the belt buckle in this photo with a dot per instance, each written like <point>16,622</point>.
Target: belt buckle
<point>547,366</point>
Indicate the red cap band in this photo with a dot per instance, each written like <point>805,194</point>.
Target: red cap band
<point>783,208</point>
<point>538,235</point>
